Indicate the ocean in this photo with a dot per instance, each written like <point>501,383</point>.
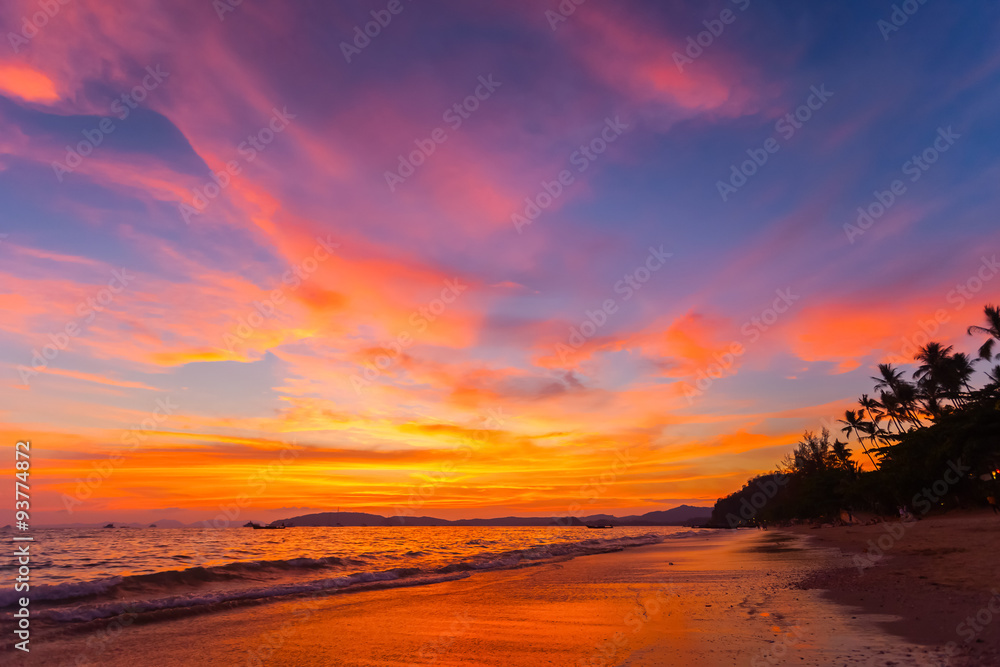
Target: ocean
<point>83,575</point>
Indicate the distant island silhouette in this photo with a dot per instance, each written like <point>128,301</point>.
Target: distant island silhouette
<point>683,515</point>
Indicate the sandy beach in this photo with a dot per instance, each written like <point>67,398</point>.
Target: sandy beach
<point>935,579</point>
<point>727,598</point>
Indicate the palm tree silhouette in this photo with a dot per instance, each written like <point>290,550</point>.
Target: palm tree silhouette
<point>936,376</point>
<point>893,409</point>
<point>853,425</point>
<point>994,376</point>
<point>992,329</point>
<point>888,378</point>
<point>963,370</point>
<point>904,394</point>
<point>870,405</point>
<point>874,410</point>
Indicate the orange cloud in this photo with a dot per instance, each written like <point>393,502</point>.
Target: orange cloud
<point>850,333</point>
<point>27,84</point>
<point>637,61</point>
<point>98,379</point>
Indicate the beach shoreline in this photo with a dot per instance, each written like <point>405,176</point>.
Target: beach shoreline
<point>936,580</point>
<point>713,599</point>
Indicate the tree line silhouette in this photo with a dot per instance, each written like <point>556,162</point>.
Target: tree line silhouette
<point>933,442</point>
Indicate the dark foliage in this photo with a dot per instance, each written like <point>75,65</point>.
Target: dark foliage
<point>933,443</point>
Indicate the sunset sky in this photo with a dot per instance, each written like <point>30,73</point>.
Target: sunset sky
<point>393,284</point>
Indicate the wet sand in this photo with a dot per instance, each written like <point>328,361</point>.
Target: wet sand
<point>726,599</point>
<point>936,578</point>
